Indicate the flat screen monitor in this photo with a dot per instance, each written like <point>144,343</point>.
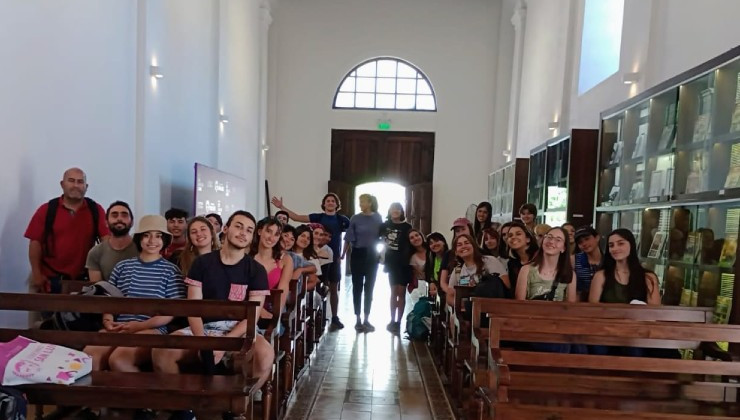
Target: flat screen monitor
<point>218,192</point>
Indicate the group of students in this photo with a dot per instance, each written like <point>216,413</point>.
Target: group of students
<point>551,263</point>
<point>243,259</point>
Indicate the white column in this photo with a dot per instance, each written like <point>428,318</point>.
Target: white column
<point>265,21</point>
<point>519,20</point>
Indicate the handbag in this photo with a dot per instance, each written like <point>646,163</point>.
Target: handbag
<point>549,295</point>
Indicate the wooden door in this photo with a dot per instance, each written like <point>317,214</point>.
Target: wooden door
<point>418,209</point>
<point>406,158</point>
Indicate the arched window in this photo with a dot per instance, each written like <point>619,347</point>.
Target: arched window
<point>385,83</point>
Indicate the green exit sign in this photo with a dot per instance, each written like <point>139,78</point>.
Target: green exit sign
<point>384,126</point>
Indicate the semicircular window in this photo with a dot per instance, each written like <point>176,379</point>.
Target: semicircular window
<point>386,83</point>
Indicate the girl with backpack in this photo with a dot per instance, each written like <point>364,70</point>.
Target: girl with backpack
<point>472,266</point>
<point>550,276</point>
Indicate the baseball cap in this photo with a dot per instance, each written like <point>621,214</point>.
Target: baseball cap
<point>584,231</point>
<point>459,222</point>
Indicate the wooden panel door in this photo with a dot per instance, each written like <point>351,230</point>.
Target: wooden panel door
<point>419,206</point>
<point>346,193</point>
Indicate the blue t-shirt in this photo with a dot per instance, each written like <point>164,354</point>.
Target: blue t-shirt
<point>158,279</point>
<point>337,224</point>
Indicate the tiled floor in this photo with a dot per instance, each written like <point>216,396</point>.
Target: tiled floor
<point>370,376</point>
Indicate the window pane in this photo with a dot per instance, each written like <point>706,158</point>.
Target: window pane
<point>367,69</point>
<point>365,100</point>
<point>348,85</point>
<point>345,100</point>
<point>386,68</point>
<point>366,84</point>
<point>425,102</point>
<point>404,70</point>
<point>385,101</point>
<point>406,85</point>
<point>423,87</point>
<point>353,74</point>
<point>405,102</point>
<point>386,85</point>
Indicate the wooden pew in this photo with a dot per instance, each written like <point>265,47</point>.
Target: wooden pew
<point>529,384</point>
<point>476,366</point>
<point>209,393</point>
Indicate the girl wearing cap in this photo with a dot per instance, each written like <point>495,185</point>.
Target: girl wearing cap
<point>588,260</point>
<point>147,276</point>
<point>460,226</point>
<point>395,232</point>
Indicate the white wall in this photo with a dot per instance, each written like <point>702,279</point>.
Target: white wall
<point>314,43</point>
<point>76,91</point>
<point>661,38</point>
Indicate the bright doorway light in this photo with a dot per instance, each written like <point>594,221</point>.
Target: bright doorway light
<point>386,193</point>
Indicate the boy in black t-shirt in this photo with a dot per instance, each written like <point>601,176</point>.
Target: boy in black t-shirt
<point>227,274</point>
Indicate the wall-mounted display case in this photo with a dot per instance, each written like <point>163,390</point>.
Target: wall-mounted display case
<point>561,181</point>
<point>507,190</point>
<point>669,170</point>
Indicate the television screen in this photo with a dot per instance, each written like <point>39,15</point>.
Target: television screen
<point>218,192</point>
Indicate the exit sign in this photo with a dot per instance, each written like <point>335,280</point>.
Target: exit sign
<point>384,126</point>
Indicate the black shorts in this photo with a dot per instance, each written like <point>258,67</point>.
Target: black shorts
<point>334,274</point>
<point>399,276</point>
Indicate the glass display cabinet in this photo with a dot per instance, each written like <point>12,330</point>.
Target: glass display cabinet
<point>669,170</point>
<point>536,191</point>
<point>507,190</point>
<point>561,178</point>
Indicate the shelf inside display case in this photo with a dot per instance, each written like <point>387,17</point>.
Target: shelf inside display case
<point>507,189</point>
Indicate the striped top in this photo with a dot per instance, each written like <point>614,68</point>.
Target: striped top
<point>157,279</point>
<point>584,272</point>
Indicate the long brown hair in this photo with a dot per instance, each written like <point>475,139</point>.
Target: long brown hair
<point>565,271</point>
<point>477,256</point>
<point>277,251</point>
<point>190,253</point>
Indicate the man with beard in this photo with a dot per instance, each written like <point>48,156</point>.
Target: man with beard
<point>227,274</point>
<point>120,246</point>
<point>60,239</point>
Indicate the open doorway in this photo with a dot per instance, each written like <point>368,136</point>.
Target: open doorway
<point>385,192</point>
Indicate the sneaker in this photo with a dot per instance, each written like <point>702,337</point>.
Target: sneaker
<point>359,327</point>
<point>257,396</point>
<point>397,327</point>
<point>368,327</point>
<point>146,414</point>
<point>336,323</point>
<point>182,415</point>
<point>391,327</point>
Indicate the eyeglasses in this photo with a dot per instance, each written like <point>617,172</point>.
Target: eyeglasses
<point>550,237</point>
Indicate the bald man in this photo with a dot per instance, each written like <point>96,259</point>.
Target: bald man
<point>60,252</point>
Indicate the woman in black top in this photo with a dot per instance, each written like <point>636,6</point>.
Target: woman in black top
<point>522,249</point>
<point>482,221</point>
<point>395,232</point>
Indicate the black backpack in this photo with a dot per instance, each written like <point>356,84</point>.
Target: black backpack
<point>76,321</point>
<point>489,286</point>
<point>13,404</point>
<point>51,213</point>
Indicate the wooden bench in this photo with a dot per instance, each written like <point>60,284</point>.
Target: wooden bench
<point>534,384</point>
<point>205,393</point>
